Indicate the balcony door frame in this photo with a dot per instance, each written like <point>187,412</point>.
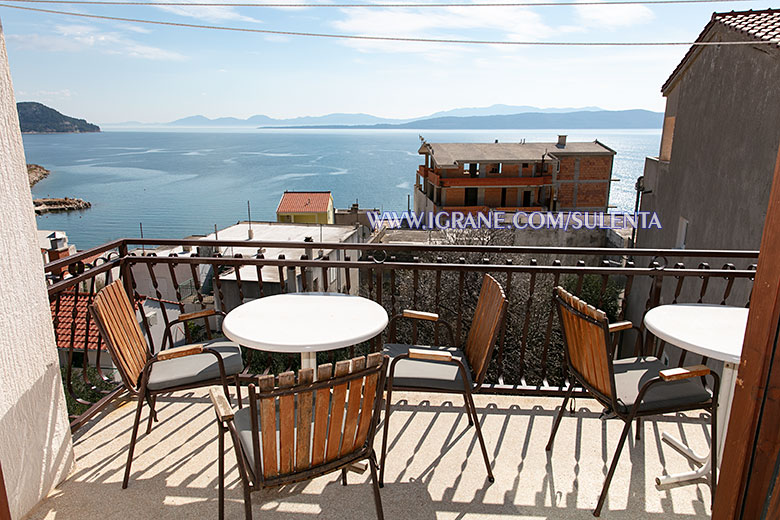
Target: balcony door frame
<point>749,484</point>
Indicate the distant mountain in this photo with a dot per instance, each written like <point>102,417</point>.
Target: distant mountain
<point>329,119</point>
<point>38,118</point>
<point>569,120</point>
<point>503,110</point>
<point>458,116</point>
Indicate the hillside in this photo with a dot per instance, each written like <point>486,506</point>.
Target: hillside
<point>38,118</point>
<point>532,120</point>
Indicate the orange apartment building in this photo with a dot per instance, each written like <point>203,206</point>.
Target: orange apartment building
<point>479,177</point>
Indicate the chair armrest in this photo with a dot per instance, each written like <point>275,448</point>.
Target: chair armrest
<point>620,325</point>
<point>185,350</point>
<point>199,314</point>
<point>221,406</point>
<point>675,374</point>
<point>430,355</point>
<point>420,315</point>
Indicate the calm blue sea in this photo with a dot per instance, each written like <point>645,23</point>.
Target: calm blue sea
<point>179,183</point>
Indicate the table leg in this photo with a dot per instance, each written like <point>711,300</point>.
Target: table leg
<point>309,360</point>
<point>725,395</point>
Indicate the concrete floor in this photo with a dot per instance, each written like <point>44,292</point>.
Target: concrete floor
<point>434,471</point>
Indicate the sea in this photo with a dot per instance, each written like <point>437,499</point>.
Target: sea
<point>176,183</point>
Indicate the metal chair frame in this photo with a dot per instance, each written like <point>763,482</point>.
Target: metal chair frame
<point>252,471</point>
<point>471,410</point>
<point>610,401</point>
<point>139,386</point>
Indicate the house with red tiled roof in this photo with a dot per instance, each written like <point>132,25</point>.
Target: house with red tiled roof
<point>710,183</point>
<point>720,138</point>
<point>306,207</point>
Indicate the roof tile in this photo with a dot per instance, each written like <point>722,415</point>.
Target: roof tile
<point>304,202</point>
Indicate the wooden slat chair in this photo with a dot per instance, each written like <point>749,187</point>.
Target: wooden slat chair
<point>631,387</point>
<point>146,375</point>
<point>292,432</point>
<point>448,369</point>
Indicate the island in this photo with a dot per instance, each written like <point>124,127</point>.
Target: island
<point>37,118</point>
<point>57,205</point>
<point>36,172</point>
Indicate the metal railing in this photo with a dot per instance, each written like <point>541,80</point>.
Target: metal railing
<point>445,279</point>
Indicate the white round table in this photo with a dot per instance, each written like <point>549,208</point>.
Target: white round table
<point>305,322</point>
<point>714,331</point>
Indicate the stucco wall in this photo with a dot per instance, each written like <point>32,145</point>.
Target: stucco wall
<point>35,443</point>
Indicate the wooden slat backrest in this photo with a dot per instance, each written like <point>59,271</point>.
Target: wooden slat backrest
<point>304,425</point>
<point>117,323</point>
<point>488,317</point>
<point>586,344</point>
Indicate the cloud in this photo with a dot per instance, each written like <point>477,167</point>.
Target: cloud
<point>612,16</point>
<point>210,14</point>
<point>77,38</point>
<point>459,23</point>
<point>45,95</point>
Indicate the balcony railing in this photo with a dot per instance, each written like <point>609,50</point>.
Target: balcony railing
<point>439,278</point>
<point>496,181</point>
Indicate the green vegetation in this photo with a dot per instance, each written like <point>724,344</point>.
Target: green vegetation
<point>91,392</point>
<point>38,118</point>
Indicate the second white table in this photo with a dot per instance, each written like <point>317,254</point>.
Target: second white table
<point>714,331</point>
<point>305,322</point>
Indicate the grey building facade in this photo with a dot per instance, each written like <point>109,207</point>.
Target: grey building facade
<point>710,183</point>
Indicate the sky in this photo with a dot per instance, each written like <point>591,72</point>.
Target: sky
<point>110,71</point>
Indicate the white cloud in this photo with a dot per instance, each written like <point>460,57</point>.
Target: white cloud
<point>76,38</point>
<point>457,23</point>
<point>611,16</point>
<point>211,14</point>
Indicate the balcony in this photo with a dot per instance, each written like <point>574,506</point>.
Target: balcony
<point>497,181</point>
<point>434,466</point>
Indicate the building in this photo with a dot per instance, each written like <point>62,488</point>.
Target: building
<point>354,215</point>
<point>306,207</point>
<point>711,180</point>
<point>472,177</point>
<point>332,280</point>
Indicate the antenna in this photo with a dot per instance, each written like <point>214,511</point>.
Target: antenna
<point>250,233</point>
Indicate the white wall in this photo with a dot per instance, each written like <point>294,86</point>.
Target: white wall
<point>35,444</point>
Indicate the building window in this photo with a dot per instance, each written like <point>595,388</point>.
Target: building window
<point>682,234</point>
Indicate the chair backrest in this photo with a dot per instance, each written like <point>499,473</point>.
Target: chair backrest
<point>586,340</point>
<point>119,328</point>
<point>318,423</point>
<point>488,318</point>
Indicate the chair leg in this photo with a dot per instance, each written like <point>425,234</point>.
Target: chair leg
<point>386,428</point>
<point>638,432</point>
<point>714,451</point>
<point>221,464</point>
<point>558,417</point>
<point>133,437</point>
<point>612,467</point>
<point>152,413</point>
<point>374,481</point>
<point>238,391</point>
<point>344,476</point>
<point>470,404</point>
<point>247,502</point>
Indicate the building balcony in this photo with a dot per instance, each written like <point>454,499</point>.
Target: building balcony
<point>435,468</point>
<point>498,181</point>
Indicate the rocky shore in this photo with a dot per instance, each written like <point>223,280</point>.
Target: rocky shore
<point>56,205</point>
<point>36,172</point>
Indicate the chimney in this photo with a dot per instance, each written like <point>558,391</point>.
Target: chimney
<point>309,251</point>
<point>58,248</point>
<point>561,141</point>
